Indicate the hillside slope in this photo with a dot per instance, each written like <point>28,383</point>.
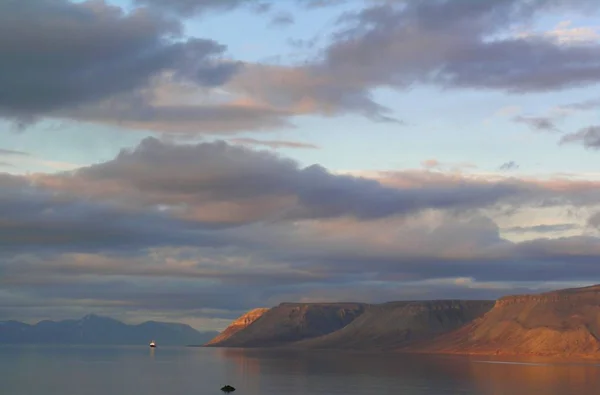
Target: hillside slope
<point>389,325</point>
<point>291,322</point>
<point>559,323</point>
<point>238,325</point>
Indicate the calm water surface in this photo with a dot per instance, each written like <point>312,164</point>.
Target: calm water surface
<point>85,370</point>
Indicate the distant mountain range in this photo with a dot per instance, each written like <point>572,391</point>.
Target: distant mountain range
<point>97,330</point>
<point>560,323</point>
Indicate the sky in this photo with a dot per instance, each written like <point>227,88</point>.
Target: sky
<point>189,160</point>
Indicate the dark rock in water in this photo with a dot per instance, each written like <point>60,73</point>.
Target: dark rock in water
<point>227,389</point>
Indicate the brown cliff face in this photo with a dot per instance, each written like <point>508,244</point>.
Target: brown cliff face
<point>354,325</point>
<point>559,323</point>
<point>390,325</point>
<point>238,325</point>
<point>291,322</point>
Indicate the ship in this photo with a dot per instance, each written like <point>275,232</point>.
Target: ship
<point>152,344</point>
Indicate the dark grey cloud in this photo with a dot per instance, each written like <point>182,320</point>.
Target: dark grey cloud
<point>59,55</point>
<point>508,166</point>
<point>224,173</point>
<point>588,137</point>
<point>488,259</point>
<point>114,62</point>
<point>189,7</point>
<point>342,274</point>
<point>230,185</point>
<point>543,124</point>
<point>450,44</point>
<point>459,53</point>
<point>34,217</point>
<point>161,194</point>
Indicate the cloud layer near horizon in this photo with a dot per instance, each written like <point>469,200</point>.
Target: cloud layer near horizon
<point>224,227</point>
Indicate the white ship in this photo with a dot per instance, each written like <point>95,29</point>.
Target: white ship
<point>152,344</point>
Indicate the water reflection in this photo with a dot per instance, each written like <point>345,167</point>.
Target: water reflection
<point>200,371</point>
<point>312,372</point>
<point>535,376</point>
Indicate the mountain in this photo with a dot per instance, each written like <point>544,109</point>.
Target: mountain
<point>389,325</point>
<point>291,322</point>
<point>354,325</point>
<point>562,323</point>
<point>238,325</point>
<point>93,329</point>
<point>559,323</point>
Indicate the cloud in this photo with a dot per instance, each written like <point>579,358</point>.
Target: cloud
<point>469,46</point>
<point>431,163</point>
<point>84,53</point>
<point>594,220</point>
<point>183,119</point>
<point>223,185</point>
<point>38,217</point>
<point>307,90</point>
<point>566,34</point>
<point>544,124</point>
<point>585,105</point>
<point>237,182</point>
<point>8,152</point>
<point>282,19</point>
<point>274,143</point>
<point>211,193</point>
<point>144,54</point>
<point>323,259</point>
<point>589,137</point>
<point>542,228</point>
<point>508,166</point>
<point>188,7</point>
<point>177,228</point>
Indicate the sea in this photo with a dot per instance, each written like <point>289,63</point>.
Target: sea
<point>116,370</point>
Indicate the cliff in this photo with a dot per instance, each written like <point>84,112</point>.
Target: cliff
<point>560,323</point>
<point>238,325</point>
<point>563,323</point>
<point>291,322</point>
<point>389,325</point>
<point>353,325</point>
